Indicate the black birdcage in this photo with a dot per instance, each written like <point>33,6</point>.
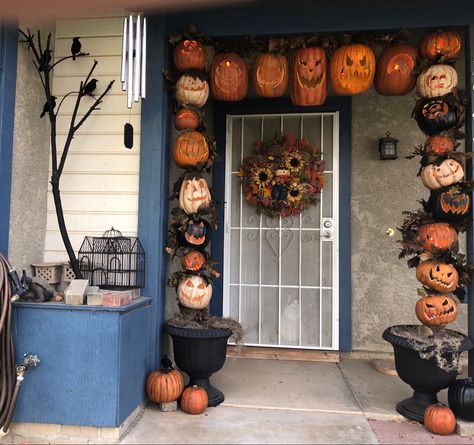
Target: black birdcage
<point>112,261</point>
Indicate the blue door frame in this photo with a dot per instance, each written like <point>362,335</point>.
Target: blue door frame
<point>277,106</point>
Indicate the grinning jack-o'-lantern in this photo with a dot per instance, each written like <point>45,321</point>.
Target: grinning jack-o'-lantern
<point>441,43</point>
<point>394,71</point>
<point>196,234</point>
<point>352,69</point>
<point>440,277</point>
<point>270,75</point>
<point>437,176</point>
<point>189,55</point>
<point>186,119</point>
<point>194,292</point>
<point>193,260</point>
<point>437,80</point>
<point>437,237</point>
<point>436,310</point>
<point>435,116</point>
<point>194,195</point>
<point>439,145</point>
<point>190,150</point>
<point>309,78</point>
<point>191,91</point>
<point>229,77</point>
<point>449,204</point>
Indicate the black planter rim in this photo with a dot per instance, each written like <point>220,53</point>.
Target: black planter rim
<point>203,333</point>
<point>398,340</point>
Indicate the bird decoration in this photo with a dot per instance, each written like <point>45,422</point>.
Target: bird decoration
<point>90,87</point>
<point>45,59</point>
<point>52,99</point>
<point>75,47</point>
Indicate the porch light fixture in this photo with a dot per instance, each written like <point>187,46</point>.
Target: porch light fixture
<point>388,147</point>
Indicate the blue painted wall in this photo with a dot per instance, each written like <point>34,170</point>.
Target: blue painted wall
<point>8,57</point>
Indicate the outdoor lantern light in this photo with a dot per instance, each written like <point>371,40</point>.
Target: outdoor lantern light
<point>388,147</point>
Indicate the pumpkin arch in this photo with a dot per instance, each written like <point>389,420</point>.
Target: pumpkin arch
<point>270,75</point>
<point>229,77</point>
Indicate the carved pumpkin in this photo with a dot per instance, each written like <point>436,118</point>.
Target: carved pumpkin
<point>449,204</point>
<point>193,260</point>
<point>352,69</point>
<point>309,78</point>
<point>186,119</point>
<point>191,91</point>
<point>437,80</point>
<point>270,75</point>
<point>164,385</point>
<point>194,292</point>
<point>229,77</point>
<point>394,72</point>
<point>435,116</point>
<point>197,234</point>
<point>194,195</point>
<point>437,237</point>
<point>439,145</point>
<point>439,43</point>
<point>461,398</point>
<point>439,419</point>
<point>436,176</point>
<point>189,55</point>
<point>436,310</point>
<point>194,400</point>
<point>190,150</point>
<point>440,277</point>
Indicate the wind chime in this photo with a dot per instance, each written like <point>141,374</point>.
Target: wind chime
<point>133,65</point>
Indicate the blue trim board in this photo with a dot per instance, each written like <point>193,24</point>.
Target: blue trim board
<point>8,57</point>
<point>283,105</point>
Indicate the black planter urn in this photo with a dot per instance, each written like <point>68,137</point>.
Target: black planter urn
<point>200,353</point>
<point>423,375</point>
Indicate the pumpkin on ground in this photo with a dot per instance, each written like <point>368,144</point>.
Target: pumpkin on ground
<point>438,276</point>
<point>193,260</point>
<point>186,119</point>
<point>270,75</point>
<point>194,292</point>
<point>194,195</point>
<point>229,77</point>
<point>352,69</point>
<point>436,309</point>
<point>441,43</point>
<point>461,398</point>
<point>449,204</point>
<point>309,78</point>
<point>194,400</point>
<point>440,145</point>
<point>394,71</point>
<point>192,91</point>
<point>189,55</point>
<point>437,237</point>
<point>437,80</point>
<point>164,385</point>
<point>435,116</point>
<point>439,419</point>
<point>447,173</point>
<point>190,150</point>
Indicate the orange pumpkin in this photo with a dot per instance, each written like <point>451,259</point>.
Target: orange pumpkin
<point>440,43</point>
<point>229,77</point>
<point>189,55</point>
<point>439,145</point>
<point>186,119</point>
<point>439,276</point>
<point>439,419</point>
<point>309,80</point>
<point>437,236</point>
<point>190,150</point>
<point>352,69</point>
<point>436,310</point>
<point>194,400</point>
<point>164,385</point>
<point>394,71</point>
<point>270,75</point>
<point>193,260</point>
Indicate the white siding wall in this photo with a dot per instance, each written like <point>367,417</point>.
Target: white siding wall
<point>99,185</point>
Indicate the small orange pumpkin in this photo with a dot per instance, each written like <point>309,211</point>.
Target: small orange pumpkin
<point>437,236</point>
<point>164,385</point>
<point>439,43</point>
<point>189,55</point>
<point>439,145</point>
<point>436,309</point>
<point>270,75</point>
<point>439,276</point>
<point>229,77</point>
<point>193,260</point>
<point>439,419</point>
<point>194,400</point>
<point>186,119</point>
<point>190,150</point>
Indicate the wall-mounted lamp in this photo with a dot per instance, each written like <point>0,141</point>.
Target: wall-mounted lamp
<point>388,147</point>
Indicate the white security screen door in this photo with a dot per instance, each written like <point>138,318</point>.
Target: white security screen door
<point>281,274</point>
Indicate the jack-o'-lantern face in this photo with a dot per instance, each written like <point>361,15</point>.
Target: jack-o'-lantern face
<point>437,176</point>
<point>450,204</point>
<point>439,145</point>
<point>436,310</point>
<point>193,260</point>
<point>194,292</point>
<point>197,234</point>
<point>190,150</point>
<point>189,55</point>
<point>437,80</point>
<point>441,277</point>
<point>270,77</point>
<point>436,115</point>
<point>192,90</point>
<point>194,195</point>
<point>229,77</point>
<point>441,43</point>
<point>437,237</point>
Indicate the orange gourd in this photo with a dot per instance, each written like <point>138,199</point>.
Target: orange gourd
<point>190,150</point>
<point>436,310</point>
<point>194,400</point>
<point>270,75</point>
<point>439,145</point>
<point>164,385</point>
<point>229,77</point>
<point>436,44</point>
<point>193,260</point>
<point>186,119</point>
<point>189,55</point>
<point>437,237</point>
<point>439,419</point>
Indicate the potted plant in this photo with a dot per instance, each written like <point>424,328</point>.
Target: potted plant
<point>427,356</point>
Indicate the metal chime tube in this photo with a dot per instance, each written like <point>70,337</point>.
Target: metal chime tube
<point>130,61</point>
<point>143,70</point>
<point>137,62</point>
<point>123,73</point>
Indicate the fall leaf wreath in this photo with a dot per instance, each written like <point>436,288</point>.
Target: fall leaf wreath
<point>283,177</point>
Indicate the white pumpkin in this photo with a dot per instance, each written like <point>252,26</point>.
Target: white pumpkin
<point>194,292</point>
<point>437,176</point>
<point>192,91</point>
<point>194,195</point>
<point>437,80</point>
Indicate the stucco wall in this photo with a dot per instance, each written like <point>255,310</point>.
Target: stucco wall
<point>30,163</point>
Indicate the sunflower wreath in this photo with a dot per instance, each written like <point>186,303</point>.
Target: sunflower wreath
<point>283,177</point>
